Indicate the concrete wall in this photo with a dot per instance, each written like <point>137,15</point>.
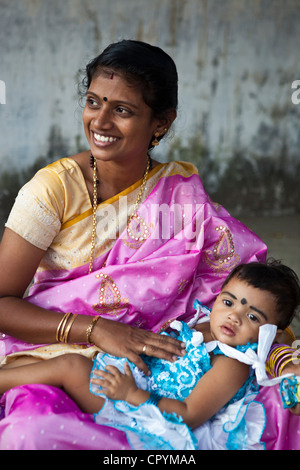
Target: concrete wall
<point>237,60</point>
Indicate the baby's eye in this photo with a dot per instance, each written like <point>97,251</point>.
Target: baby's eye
<point>253,317</point>
<point>227,302</point>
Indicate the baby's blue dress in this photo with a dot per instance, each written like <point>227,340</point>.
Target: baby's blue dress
<point>239,425</point>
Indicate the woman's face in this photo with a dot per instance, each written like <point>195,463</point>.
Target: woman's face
<point>118,123</point>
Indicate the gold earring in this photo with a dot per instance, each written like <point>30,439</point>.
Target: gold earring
<point>155,142</point>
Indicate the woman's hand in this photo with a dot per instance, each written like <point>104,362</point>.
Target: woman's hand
<point>121,340</point>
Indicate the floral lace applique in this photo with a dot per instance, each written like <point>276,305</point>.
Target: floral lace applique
<point>179,378</point>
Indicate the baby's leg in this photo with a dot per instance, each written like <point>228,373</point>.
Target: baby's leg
<point>21,361</point>
<point>71,372</point>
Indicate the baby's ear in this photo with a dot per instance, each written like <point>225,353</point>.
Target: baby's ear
<point>283,337</point>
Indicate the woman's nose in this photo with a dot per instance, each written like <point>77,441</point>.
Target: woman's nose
<point>103,119</point>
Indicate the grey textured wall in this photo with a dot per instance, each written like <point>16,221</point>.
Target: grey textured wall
<point>237,60</point>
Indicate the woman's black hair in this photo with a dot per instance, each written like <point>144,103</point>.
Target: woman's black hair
<point>142,64</point>
<point>280,280</point>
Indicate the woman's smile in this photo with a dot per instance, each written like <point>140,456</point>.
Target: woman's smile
<point>103,140</point>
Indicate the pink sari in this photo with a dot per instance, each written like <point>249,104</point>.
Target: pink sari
<point>180,246</point>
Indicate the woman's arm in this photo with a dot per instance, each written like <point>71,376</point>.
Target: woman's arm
<point>19,260</point>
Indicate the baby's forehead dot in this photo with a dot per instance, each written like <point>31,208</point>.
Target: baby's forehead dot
<point>243,301</point>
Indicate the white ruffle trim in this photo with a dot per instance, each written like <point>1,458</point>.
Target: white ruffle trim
<point>146,427</point>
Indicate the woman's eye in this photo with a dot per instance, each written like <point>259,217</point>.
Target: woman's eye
<point>123,111</point>
<point>91,102</point>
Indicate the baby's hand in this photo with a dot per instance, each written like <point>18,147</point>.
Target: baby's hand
<point>294,369</point>
<point>114,384</point>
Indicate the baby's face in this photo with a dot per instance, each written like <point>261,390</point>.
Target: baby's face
<point>239,311</point>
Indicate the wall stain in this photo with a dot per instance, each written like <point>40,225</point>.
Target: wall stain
<point>259,185</point>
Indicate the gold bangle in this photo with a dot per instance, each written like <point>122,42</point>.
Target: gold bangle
<point>282,366</point>
<point>65,334</point>
<point>278,359</point>
<point>90,329</point>
<point>275,358</point>
<point>61,326</point>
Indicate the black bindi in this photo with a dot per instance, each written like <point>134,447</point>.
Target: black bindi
<point>104,98</point>
<point>243,301</point>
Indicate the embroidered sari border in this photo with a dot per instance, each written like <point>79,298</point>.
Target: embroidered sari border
<point>124,193</point>
<point>113,199</point>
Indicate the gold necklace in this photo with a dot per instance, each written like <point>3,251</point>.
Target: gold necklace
<point>93,239</point>
<point>95,203</point>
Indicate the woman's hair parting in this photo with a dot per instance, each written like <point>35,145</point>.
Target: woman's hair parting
<point>280,280</point>
<point>143,65</point>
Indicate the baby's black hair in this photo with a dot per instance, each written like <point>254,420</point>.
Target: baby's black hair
<point>280,280</point>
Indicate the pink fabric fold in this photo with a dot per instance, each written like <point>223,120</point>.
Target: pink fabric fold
<point>145,283</point>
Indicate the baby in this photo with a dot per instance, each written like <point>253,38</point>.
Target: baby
<point>256,302</point>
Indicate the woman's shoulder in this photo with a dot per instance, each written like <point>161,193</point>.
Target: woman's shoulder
<point>57,178</point>
<point>51,184</point>
<point>47,200</point>
<point>184,174</point>
<point>61,167</point>
<point>185,169</point>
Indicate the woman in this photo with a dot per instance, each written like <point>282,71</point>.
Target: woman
<point>118,244</point>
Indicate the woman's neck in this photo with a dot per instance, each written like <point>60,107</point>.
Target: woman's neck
<point>114,177</point>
